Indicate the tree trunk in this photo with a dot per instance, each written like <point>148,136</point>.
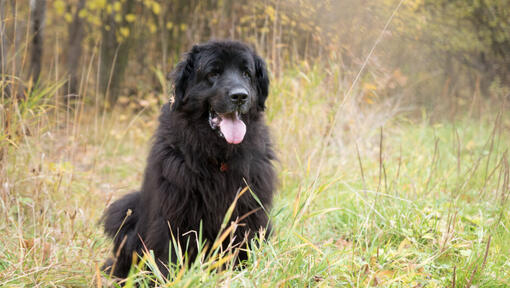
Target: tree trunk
<point>3,51</point>
<point>38,10</point>
<point>76,34</point>
<point>3,39</point>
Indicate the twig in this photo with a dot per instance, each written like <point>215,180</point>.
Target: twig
<point>491,148</point>
<point>472,277</point>
<point>486,252</point>
<point>361,169</point>
<point>380,160</point>
<point>454,276</point>
<point>433,165</point>
<point>397,176</point>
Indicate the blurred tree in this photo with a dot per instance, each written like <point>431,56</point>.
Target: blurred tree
<point>38,11</point>
<point>3,38</point>
<point>474,34</point>
<point>442,46</point>
<point>76,33</point>
<point>115,46</point>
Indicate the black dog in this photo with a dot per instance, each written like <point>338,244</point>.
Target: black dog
<point>211,142</point>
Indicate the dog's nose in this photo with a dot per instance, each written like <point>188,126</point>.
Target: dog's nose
<point>238,96</point>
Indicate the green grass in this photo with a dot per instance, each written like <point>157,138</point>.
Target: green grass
<point>347,213</point>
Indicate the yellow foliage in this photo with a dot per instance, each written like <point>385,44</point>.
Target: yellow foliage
<point>68,17</point>
<point>96,4</point>
<point>156,8</point>
<point>169,25</point>
<point>413,5</point>
<point>184,27</point>
<point>270,12</point>
<point>59,6</point>
<point>285,19</point>
<point>369,87</point>
<point>124,31</point>
<point>130,18</point>
<point>116,6</point>
<point>245,19</point>
<point>82,13</point>
<point>405,244</point>
<point>100,4</point>
<point>94,19</point>
<point>153,28</point>
<point>368,100</point>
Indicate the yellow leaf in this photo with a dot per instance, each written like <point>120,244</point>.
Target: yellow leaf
<point>270,12</point>
<point>381,277</point>
<point>153,28</point>
<point>369,86</point>
<point>470,145</point>
<point>156,8</point>
<point>130,18</point>
<point>68,17</point>
<point>373,261</point>
<point>59,6</point>
<point>82,14</point>
<point>100,3</point>
<point>404,245</point>
<point>169,25</point>
<point>94,19</point>
<point>116,6</point>
<point>124,31</point>
<point>384,274</point>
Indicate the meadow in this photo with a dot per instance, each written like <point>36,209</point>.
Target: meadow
<point>378,194</point>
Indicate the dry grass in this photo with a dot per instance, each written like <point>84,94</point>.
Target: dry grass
<point>388,200</point>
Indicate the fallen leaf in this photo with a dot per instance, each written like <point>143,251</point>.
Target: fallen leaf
<point>28,243</point>
<point>342,243</point>
<point>404,245</point>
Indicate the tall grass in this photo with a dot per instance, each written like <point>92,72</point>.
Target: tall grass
<point>393,200</point>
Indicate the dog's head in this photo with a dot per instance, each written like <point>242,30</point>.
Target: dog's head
<point>221,82</point>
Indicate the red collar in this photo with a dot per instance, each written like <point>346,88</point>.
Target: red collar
<point>223,167</point>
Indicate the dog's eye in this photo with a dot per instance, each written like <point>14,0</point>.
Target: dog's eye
<point>246,74</point>
<point>213,75</point>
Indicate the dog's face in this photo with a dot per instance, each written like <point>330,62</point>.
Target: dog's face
<point>221,83</point>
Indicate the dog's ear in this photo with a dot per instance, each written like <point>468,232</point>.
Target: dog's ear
<point>262,81</point>
<point>181,76</point>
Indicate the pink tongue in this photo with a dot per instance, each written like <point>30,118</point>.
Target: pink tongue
<point>233,129</point>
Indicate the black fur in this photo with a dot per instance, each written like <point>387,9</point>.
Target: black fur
<point>192,173</point>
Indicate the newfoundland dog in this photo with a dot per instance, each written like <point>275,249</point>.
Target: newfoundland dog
<point>210,145</point>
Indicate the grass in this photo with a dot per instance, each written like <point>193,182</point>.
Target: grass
<point>388,200</point>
